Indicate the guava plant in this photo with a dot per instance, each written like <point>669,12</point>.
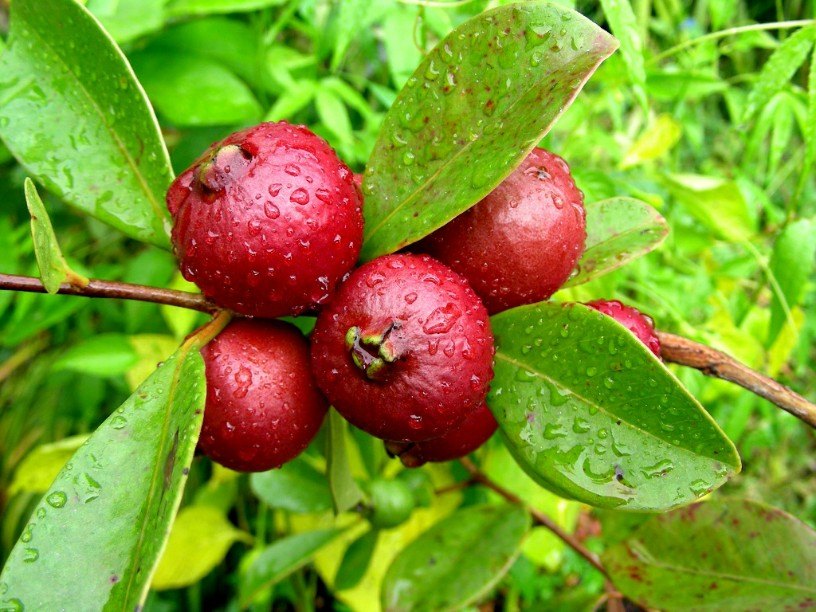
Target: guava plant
<point>269,222</point>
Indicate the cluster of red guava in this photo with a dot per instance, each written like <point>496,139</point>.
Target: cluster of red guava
<point>269,223</point>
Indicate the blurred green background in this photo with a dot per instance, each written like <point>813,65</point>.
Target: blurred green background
<point>683,117</point>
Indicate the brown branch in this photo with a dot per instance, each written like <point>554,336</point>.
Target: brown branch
<point>717,364</point>
<point>539,517</point>
<point>114,289</point>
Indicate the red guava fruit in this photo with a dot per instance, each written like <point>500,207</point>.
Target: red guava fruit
<point>404,350</point>
<point>462,440</point>
<point>632,319</point>
<point>263,407</point>
<point>267,221</point>
<point>521,242</point>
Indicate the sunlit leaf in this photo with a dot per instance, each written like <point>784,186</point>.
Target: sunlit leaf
<point>178,8</point>
<point>297,487</point>
<point>624,26</point>
<point>73,114</point>
<point>658,139</point>
<point>792,261</point>
<point>100,355</point>
<point>344,489</point>
<point>40,467</point>
<point>590,413</point>
<point>474,108</point>
<point>718,555</point>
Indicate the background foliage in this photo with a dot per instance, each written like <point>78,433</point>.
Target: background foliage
<point>719,135</point>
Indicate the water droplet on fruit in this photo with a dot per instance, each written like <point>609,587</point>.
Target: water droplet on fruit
<point>442,319</point>
<point>292,169</point>
<point>411,297</point>
<point>299,196</point>
<point>323,195</point>
<point>270,210</point>
<point>414,421</point>
<point>274,189</point>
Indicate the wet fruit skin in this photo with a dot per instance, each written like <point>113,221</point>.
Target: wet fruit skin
<point>521,242</point>
<point>462,440</point>
<point>263,407</point>
<point>267,221</point>
<point>632,319</point>
<point>404,350</point>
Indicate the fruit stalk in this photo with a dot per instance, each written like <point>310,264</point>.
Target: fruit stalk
<point>113,289</point>
<point>717,364</point>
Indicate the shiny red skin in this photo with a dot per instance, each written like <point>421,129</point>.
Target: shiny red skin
<point>263,407</point>
<point>521,242</point>
<point>440,337</point>
<point>632,319</point>
<point>462,440</point>
<point>276,228</point>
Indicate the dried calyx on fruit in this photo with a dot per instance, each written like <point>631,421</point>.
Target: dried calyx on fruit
<point>639,324</point>
<point>462,440</point>
<point>263,407</point>
<point>521,242</point>
<point>404,350</point>
<point>267,221</point>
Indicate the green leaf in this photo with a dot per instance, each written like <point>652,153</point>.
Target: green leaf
<point>718,555</point>
<point>624,26</point>
<point>810,124</point>
<point>151,349</point>
<point>398,39</point>
<point>333,114</point>
<point>40,467</point>
<point>792,262</point>
<point>351,17</point>
<point>181,321</point>
<point>73,114</point>
<point>182,8</point>
<point>53,268</point>
<point>296,487</point>
<point>590,413</point>
<point>102,355</point>
<point>277,561</point>
<point>292,101</point>
<point>716,203</point>
<point>619,230</point>
<point>778,70</point>
<point>126,20</point>
<point>474,108</point>
<point>658,139</point>
<point>112,504</point>
<point>198,542</point>
<point>455,563</point>
<point>194,91</point>
<point>356,560</point>
<point>344,489</point>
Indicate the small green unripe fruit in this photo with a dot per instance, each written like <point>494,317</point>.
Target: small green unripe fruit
<point>392,502</point>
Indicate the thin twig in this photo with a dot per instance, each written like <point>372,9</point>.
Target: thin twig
<point>114,289</point>
<point>538,516</point>
<point>712,362</point>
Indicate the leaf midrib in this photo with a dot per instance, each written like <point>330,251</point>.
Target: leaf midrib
<point>722,575</point>
<point>157,209</point>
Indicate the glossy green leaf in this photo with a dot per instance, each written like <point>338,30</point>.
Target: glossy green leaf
<point>333,114</point>
<point>456,561</point>
<point>474,108</point>
<point>40,467</point>
<point>101,355</point>
<point>179,8</point>
<point>356,560</point>
<point>53,269</point>
<point>590,413</point>
<point>193,91</point>
<point>277,561</point>
<point>779,69</point>
<point>73,114</point>
<point>810,129</point>
<point>126,20</point>
<point>718,555</point>
<point>624,26</point>
<point>297,487</point>
<point>618,231</point>
<point>344,489</point>
<point>198,542</point>
<point>112,504</point>
<point>716,203</point>
<point>792,261</point>
<point>351,16</point>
